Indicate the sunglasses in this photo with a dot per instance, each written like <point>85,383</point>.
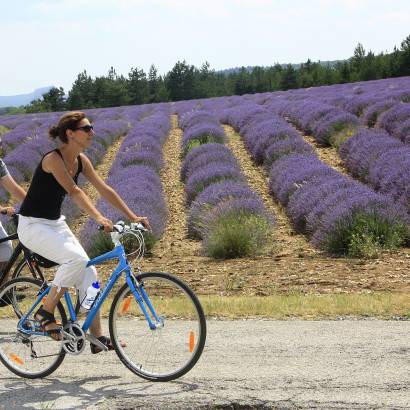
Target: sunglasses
<point>85,128</point>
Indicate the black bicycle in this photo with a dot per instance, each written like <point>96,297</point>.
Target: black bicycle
<point>23,262</point>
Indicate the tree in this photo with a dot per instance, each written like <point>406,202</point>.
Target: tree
<point>137,86</point>
<point>81,94</point>
<point>157,91</point>
<point>242,82</point>
<point>36,105</point>
<point>54,99</point>
<point>162,92</point>
<point>369,68</point>
<point>186,81</point>
<point>204,80</point>
<point>180,82</point>
<point>109,92</point>
<point>258,78</point>
<point>344,72</point>
<point>305,74</point>
<point>357,61</point>
<point>405,57</point>
<point>289,78</point>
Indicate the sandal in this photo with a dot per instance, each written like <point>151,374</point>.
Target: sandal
<point>106,341</point>
<point>45,319</point>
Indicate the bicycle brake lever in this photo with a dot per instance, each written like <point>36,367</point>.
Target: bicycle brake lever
<point>138,226</point>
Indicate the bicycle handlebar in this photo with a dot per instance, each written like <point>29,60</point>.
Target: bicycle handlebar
<point>120,227</point>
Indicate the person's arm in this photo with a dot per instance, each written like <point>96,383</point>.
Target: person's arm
<point>53,163</point>
<point>13,188</point>
<point>109,194</point>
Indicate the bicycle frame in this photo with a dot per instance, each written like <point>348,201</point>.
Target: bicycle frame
<point>136,288</point>
<point>14,256</point>
<point>16,252</point>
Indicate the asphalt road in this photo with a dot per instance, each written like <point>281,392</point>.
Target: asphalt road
<point>247,364</point>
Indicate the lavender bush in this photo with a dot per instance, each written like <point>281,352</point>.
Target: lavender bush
<point>392,120</point>
<point>331,208</point>
<point>381,161</point>
<point>137,182</point>
<point>223,211</point>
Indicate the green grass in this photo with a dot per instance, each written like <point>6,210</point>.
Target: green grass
<point>302,306</point>
<point>341,134</point>
<point>366,235</point>
<point>200,140</point>
<point>236,235</point>
<point>3,129</point>
<point>291,305</point>
<point>102,243</point>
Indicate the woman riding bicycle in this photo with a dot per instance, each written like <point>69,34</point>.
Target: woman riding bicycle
<point>43,229</point>
<point>15,190</point>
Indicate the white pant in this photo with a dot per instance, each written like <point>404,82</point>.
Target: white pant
<point>6,248</point>
<point>54,240</point>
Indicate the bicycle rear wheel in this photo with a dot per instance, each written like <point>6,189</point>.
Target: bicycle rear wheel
<point>173,348</point>
<point>23,269</point>
<point>30,356</point>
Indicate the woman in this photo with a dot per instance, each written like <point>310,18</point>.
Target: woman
<point>15,190</point>
<point>43,229</point>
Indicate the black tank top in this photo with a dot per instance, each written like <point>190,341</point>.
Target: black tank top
<point>45,195</point>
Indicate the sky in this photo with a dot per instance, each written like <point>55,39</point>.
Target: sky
<point>49,42</point>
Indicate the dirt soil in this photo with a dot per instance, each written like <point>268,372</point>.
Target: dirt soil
<point>289,263</point>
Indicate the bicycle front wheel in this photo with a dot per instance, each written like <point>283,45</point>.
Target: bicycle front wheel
<point>175,345</point>
<point>25,354</point>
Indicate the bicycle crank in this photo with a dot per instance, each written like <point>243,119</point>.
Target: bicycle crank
<point>73,339</point>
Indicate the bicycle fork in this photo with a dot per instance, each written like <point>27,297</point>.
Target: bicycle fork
<point>137,289</point>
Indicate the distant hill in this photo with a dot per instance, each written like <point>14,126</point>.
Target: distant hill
<point>22,99</point>
<point>295,66</point>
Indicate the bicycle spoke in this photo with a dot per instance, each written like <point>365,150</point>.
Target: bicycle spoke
<point>164,353</point>
<point>24,354</point>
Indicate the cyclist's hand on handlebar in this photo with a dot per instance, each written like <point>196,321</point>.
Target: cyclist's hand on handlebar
<point>144,221</point>
<point>106,223</point>
<point>8,210</point>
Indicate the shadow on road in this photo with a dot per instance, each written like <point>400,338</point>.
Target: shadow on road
<point>16,393</point>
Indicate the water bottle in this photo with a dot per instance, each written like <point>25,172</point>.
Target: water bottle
<point>90,296</point>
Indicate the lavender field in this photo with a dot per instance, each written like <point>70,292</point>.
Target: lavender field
<point>355,206</point>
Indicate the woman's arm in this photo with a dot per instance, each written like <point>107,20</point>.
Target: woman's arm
<point>13,188</point>
<point>109,193</point>
<point>53,163</point>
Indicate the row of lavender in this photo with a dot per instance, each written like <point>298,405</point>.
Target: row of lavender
<point>109,125</point>
<point>331,114</point>
<point>338,214</point>
<point>135,176</point>
<point>224,212</point>
<point>24,145</point>
<point>27,141</point>
<point>376,158</point>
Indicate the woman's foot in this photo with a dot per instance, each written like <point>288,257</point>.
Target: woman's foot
<point>48,323</point>
<point>106,341</point>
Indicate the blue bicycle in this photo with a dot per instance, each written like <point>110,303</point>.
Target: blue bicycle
<point>156,323</point>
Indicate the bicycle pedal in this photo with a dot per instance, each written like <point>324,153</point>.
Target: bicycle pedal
<point>96,342</point>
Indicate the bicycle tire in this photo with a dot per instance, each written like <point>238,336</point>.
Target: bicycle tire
<point>13,361</point>
<point>17,273</point>
<point>197,336</point>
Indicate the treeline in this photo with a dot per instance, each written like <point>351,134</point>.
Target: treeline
<point>185,81</point>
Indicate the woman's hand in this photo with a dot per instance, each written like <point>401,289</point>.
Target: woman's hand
<point>106,223</point>
<point>9,210</point>
<point>144,221</point>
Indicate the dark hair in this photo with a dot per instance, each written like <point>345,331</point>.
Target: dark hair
<point>68,121</point>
